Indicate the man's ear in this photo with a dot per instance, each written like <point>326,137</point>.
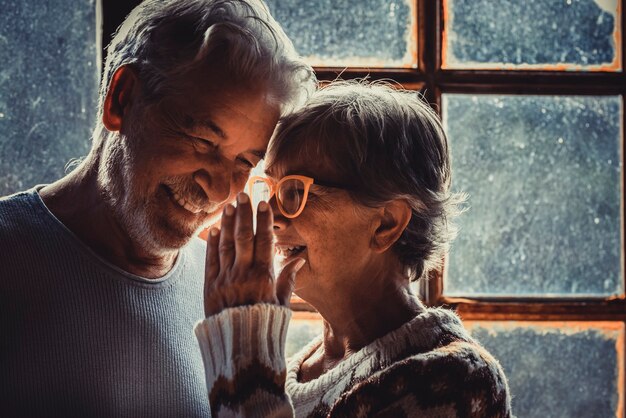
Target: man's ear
<point>392,221</point>
<point>119,96</point>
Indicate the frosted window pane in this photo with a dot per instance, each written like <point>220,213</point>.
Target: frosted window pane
<point>543,175</point>
<point>558,369</point>
<point>301,332</point>
<point>550,34</point>
<point>374,33</point>
<point>48,88</point>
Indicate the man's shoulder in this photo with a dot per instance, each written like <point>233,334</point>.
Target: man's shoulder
<point>24,197</point>
<point>17,209</point>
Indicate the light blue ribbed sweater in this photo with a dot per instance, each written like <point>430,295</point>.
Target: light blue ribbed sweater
<point>80,337</point>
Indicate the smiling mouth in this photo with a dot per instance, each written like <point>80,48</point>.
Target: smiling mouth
<point>184,203</point>
<point>289,251</point>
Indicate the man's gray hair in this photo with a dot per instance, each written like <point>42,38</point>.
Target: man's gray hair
<point>384,144</point>
<point>165,39</point>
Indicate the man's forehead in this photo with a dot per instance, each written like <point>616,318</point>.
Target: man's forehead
<point>205,84</point>
<point>210,110</point>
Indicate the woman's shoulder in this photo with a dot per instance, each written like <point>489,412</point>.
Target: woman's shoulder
<point>457,378</point>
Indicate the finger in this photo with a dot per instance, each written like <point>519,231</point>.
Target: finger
<point>211,271</point>
<point>287,280</point>
<point>212,265</point>
<point>264,239</point>
<point>244,235</point>
<point>226,244</point>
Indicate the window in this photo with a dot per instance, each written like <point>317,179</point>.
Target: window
<point>48,88</point>
<point>531,96</point>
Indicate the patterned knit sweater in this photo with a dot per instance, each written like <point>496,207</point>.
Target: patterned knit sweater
<point>429,367</point>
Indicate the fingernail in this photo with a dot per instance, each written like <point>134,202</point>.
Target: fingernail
<point>242,198</point>
<point>229,210</point>
<point>263,206</point>
<point>214,232</point>
<point>299,264</point>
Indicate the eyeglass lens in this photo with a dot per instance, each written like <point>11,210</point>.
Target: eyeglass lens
<point>290,194</point>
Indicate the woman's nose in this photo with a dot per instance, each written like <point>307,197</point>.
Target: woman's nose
<point>280,221</point>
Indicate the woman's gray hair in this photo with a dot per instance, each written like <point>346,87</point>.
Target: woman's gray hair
<point>384,144</point>
<point>166,39</point>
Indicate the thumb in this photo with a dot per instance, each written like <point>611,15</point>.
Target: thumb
<point>287,279</point>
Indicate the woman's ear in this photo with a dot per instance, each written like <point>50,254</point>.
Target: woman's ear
<point>392,221</point>
<point>119,97</point>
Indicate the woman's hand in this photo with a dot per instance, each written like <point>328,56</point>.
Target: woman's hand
<point>239,264</point>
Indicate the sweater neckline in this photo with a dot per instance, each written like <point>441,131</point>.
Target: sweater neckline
<point>169,278</point>
<point>420,334</point>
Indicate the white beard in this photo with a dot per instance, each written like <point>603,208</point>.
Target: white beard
<point>132,211</point>
<point>134,208</point>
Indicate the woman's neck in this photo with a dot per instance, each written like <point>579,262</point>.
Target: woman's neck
<point>367,316</point>
<point>359,318</point>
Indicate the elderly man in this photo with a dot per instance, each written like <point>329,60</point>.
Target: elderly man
<point>101,276</point>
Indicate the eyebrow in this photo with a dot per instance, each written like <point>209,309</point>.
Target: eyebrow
<point>258,153</point>
<point>206,123</point>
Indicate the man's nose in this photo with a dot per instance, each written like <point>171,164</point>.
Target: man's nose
<point>216,184</point>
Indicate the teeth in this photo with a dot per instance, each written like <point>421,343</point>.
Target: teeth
<point>191,208</point>
<point>286,251</point>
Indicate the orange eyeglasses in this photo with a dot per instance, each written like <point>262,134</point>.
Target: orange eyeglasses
<point>291,192</point>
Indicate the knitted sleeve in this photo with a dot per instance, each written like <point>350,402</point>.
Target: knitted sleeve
<point>243,352</point>
<point>459,380</point>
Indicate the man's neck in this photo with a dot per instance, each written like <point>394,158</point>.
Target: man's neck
<point>76,200</point>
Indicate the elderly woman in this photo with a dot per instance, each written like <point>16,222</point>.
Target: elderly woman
<point>358,182</point>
